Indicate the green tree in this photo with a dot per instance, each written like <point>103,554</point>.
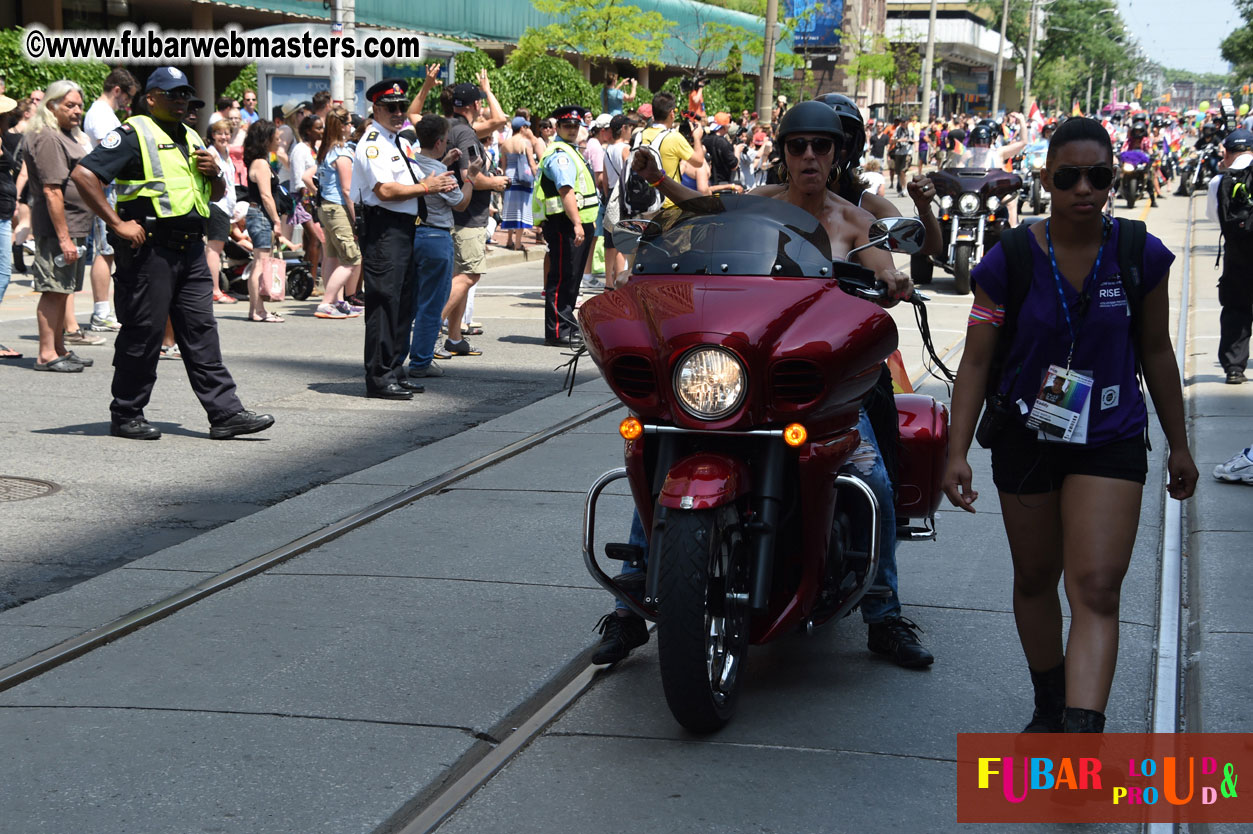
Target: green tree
<point>1238,46</point>
<point>599,30</point>
<point>23,76</point>
<point>246,80</point>
<point>736,100</point>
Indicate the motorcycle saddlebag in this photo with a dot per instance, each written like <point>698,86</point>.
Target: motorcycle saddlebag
<point>923,426</point>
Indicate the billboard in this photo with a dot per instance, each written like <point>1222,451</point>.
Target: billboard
<point>821,23</point>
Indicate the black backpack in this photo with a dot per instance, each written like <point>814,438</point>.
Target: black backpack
<point>1019,269</point>
<point>633,193</point>
<point>1235,206</point>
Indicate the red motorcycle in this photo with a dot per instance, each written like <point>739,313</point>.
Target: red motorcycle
<point>743,355</point>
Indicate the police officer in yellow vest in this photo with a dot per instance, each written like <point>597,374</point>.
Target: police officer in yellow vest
<point>165,181</point>
<point>569,203</point>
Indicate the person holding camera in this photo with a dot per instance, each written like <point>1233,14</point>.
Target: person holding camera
<point>612,97</point>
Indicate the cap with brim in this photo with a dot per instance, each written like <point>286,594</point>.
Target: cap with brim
<point>602,120</point>
<point>196,104</point>
<point>1239,137</point>
<point>569,113</point>
<point>519,122</point>
<point>645,110</point>
<point>168,78</point>
<point>463,95</point>
<point>7,104</point>
<point>388,90</point>
<point>290,106</point>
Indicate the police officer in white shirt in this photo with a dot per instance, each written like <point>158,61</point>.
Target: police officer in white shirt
<point>391,190</point>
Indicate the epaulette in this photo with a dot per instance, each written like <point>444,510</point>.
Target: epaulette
<point>374,134</point>
<point>125,128</point>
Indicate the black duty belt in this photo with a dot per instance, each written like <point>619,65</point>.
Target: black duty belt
<point>437,228</point>
<point>177,239</point>
<point>378,214</point>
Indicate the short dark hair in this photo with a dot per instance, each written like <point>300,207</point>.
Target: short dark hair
<point>120,77</point>
<point>276,113</point>
<point>430,129</point>
<point>617,123</point>
<point>1080,129</point>
<point>663,106</point>
<point>224,102</point>
<point>306,127</point>
<point>321,98</point>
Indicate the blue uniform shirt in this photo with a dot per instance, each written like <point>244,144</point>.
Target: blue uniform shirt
<point>559,167</point>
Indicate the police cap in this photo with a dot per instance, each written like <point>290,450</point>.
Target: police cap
<point>389,89</point>
<point>168,78</point>
<point>569,113</point>
<point>1239,141</point>
<point>463,95</point>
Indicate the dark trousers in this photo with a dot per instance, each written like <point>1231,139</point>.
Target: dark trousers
<point>150,285</point>
<point>561,280</point>
<point>1235,295</point>
<point>387,250</point>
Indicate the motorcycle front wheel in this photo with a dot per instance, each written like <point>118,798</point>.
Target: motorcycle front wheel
<point>1037,197</point>
<point>921,269</point>
<point>961,268</point>
<point>703,614</point>
<point>1129,192</point>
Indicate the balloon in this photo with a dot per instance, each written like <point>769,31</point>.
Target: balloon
<point>1244,109</point>
<point>1204,106</point>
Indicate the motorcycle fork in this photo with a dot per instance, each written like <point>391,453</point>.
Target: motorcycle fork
<point>983,220</point>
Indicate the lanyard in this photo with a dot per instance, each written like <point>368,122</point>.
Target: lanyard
<point>1057,277</point>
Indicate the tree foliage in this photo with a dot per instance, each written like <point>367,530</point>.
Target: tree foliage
<point>599,30</point>
<point>246,80</point>
<point>1238,46</point>
<point>23,76</point>
<point>735,89</point>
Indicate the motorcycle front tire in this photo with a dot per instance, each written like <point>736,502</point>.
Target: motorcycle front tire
<point>961,267</point>
<point>1129,192</point>
<point>1037,198</point>
<point>702,629</point>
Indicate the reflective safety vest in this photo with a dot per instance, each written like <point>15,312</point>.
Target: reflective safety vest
<point>586,196</point>
<point>170,178</point>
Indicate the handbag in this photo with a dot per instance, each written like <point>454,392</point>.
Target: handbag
<point>273,284</point>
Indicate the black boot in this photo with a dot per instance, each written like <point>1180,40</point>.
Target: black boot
<point>620,634</point>
<point>1050,700</point>
<point>1076,720</point>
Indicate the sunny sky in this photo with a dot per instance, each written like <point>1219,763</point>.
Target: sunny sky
<point>1184,35</point>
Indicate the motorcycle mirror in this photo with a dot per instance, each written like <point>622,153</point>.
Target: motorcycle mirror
<point>627,234</point>
<point>904,235</point>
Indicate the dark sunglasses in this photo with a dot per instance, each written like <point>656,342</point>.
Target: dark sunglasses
<point>394,106</point>
<point>179,94</point>
<point>569,123</point>
<point>1067,177</point>
<point>820,144</point>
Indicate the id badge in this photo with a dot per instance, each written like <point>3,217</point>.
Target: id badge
<point>1060,412</point>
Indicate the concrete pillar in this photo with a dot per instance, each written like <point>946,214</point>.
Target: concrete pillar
<point>202,74</point>
<point>585,67</point>
<point>645,83</point>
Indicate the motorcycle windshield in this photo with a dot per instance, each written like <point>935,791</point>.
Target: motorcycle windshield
<point>734,235</point>
<point>981,158</point>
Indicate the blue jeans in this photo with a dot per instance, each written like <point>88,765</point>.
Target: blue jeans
<point>867,464</point>
<point>6,254</point>
<point>432,267</point>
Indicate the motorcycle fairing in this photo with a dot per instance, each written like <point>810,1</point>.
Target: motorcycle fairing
<point>704,481</point>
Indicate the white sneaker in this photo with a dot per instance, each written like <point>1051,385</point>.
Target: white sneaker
<point>1238,469</point>
<point>104,324</point>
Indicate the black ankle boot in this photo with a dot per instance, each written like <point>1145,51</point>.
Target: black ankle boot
<point>1078,720</point>
<point>1050,700</point>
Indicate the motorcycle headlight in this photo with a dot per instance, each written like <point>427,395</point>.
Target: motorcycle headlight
<point>1037,163</point>
<point>710,383</point>
<point>968,203</point>
<point>994,203</point>
<point>1128,167</point>
<point>946,202</point>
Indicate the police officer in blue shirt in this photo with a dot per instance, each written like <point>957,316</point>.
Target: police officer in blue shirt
<point>569,202</point>
<point>165,180</point>
<point>392,192</point>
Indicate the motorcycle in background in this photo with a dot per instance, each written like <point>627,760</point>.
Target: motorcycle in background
<point>1134,169</point>
<point>742,351</point>
<point>973,214</point>
<point>1031,164</point>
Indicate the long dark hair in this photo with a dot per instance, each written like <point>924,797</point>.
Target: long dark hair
<point>257,141</point>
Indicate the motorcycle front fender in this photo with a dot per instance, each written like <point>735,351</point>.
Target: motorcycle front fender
<point>704,481</point>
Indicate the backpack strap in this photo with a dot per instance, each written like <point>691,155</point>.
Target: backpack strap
<point>1019,267</point>
<point>1132,236</point>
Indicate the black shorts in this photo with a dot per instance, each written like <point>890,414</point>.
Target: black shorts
<point>1023,465</point>
<point>219,227</point>
<point>609,240</point>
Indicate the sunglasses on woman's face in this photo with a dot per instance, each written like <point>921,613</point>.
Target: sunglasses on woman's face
<point>821,145</point>
<point>1099,176</point>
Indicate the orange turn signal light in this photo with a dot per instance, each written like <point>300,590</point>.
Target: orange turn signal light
<point>795,434</point>
<point>631,428</point>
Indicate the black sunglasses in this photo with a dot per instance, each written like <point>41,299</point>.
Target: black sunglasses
<point>820,144</point>
<point>1067,177</point>
<point>179,93</point>
<point>393,106</point>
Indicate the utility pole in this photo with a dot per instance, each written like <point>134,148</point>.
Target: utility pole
<point>1026,84</point>
<point>996,81</point>
<point>1087,102</point>
<point>765,104</point>
<point>349,76</point>
<point>928,62</point>
<point>337,57</point>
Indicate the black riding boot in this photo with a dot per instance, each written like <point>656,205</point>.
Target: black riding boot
<point>1078,720</point>
<point>1050,700</point>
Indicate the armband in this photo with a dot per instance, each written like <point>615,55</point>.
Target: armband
<point>984,315</point>
<point>659,181</point>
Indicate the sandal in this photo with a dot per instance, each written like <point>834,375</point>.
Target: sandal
<point>273,318</point>
<point>472,330</point>
<point>9,353</point>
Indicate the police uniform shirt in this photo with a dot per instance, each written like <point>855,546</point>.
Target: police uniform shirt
<point>559,168</point>
<point>118,157</point>
<point>380,159</point>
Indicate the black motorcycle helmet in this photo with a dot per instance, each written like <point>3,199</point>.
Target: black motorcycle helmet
<point>812,117</point>
<point>980,137</point>
<point>1139,125</point>
<point>851,120</point>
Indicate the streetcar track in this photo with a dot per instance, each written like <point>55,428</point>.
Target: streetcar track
<point>50,658</point>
